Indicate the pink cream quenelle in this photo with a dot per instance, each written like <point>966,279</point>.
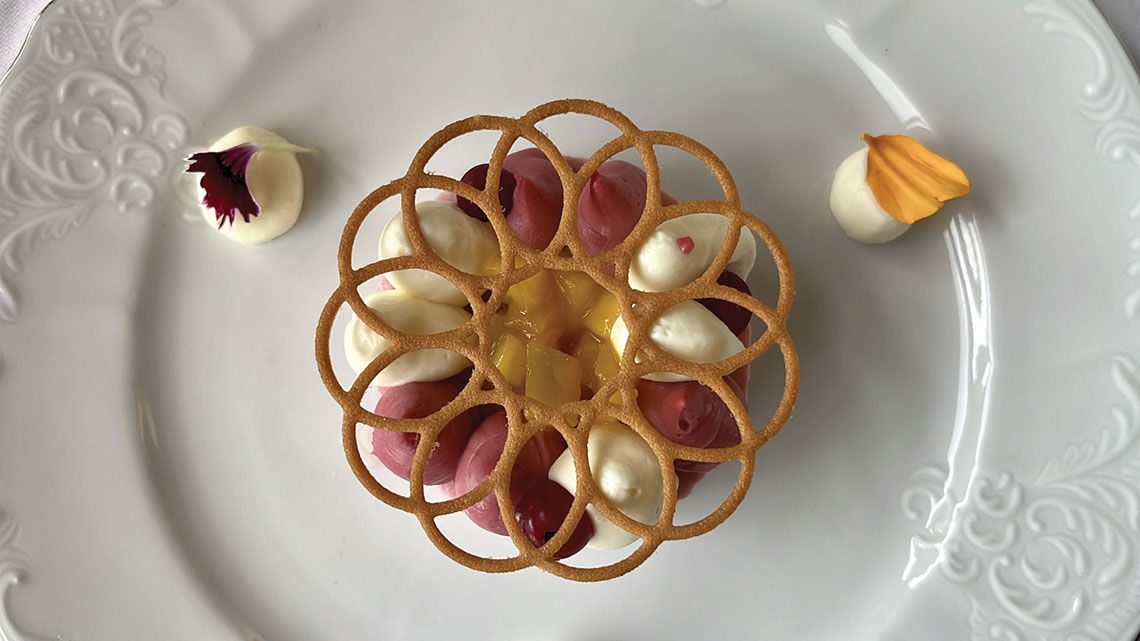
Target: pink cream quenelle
<point>530,194</point>
<point>557,344</point>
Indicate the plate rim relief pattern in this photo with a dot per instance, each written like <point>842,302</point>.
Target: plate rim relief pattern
<point>88,130</point>
<point>1064,533</point>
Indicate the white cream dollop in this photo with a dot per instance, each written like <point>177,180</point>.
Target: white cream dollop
<point>689,331</point>
<point>660,265</point>
<point>467,244</point>
<point>411,315</point>
<point>627,473</point>
<point>854,206</point>
<point>275,182</point>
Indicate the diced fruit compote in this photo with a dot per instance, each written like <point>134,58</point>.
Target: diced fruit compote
<point>551,339</point>
<point>534,306</point>
<point>608,363</point>
<point>586,350</point>
<point>509,356</point>
<point>602,315</point>
<point>579,291</point>
<point>552,377</point>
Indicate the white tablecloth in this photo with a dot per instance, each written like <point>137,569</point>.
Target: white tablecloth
<point>16,17</point>
<point>1124,16</point>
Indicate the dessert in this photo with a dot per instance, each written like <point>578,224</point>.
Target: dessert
<point>251,187</point>
<point>560,346</point>
<point>894,181</point>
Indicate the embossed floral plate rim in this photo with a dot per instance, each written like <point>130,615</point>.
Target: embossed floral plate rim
<point>1055,556</point>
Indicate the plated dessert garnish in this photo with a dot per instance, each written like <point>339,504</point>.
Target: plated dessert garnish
<point>893,182</point>
<point>558,344</point>
<point>251,187</point>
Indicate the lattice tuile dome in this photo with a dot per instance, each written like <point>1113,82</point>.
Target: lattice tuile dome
<point>571,420</point>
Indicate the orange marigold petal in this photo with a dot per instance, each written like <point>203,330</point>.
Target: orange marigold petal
<point>909,181</point>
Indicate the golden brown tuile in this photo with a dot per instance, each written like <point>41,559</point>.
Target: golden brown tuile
<point>571,420</point>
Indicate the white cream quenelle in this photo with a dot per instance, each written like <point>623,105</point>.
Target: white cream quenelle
<point>626,471</point>
<point>681,249</point>
<point>274,181</point>
<point>411,315</point>
<point>688,331</point>
<point>674,255</point>
<point>467,244</point>
<point>854,205</point>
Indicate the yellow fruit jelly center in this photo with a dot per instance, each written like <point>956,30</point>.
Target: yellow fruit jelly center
<point>552,339</point>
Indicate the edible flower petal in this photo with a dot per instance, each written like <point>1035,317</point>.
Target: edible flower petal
<point>908,180</point>
<point>224,178</point>
<point>224,181</point>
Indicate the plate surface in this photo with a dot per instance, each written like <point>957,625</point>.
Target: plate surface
<point>963,461</point>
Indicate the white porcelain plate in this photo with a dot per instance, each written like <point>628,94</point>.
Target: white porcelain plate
<point>964,459</point>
